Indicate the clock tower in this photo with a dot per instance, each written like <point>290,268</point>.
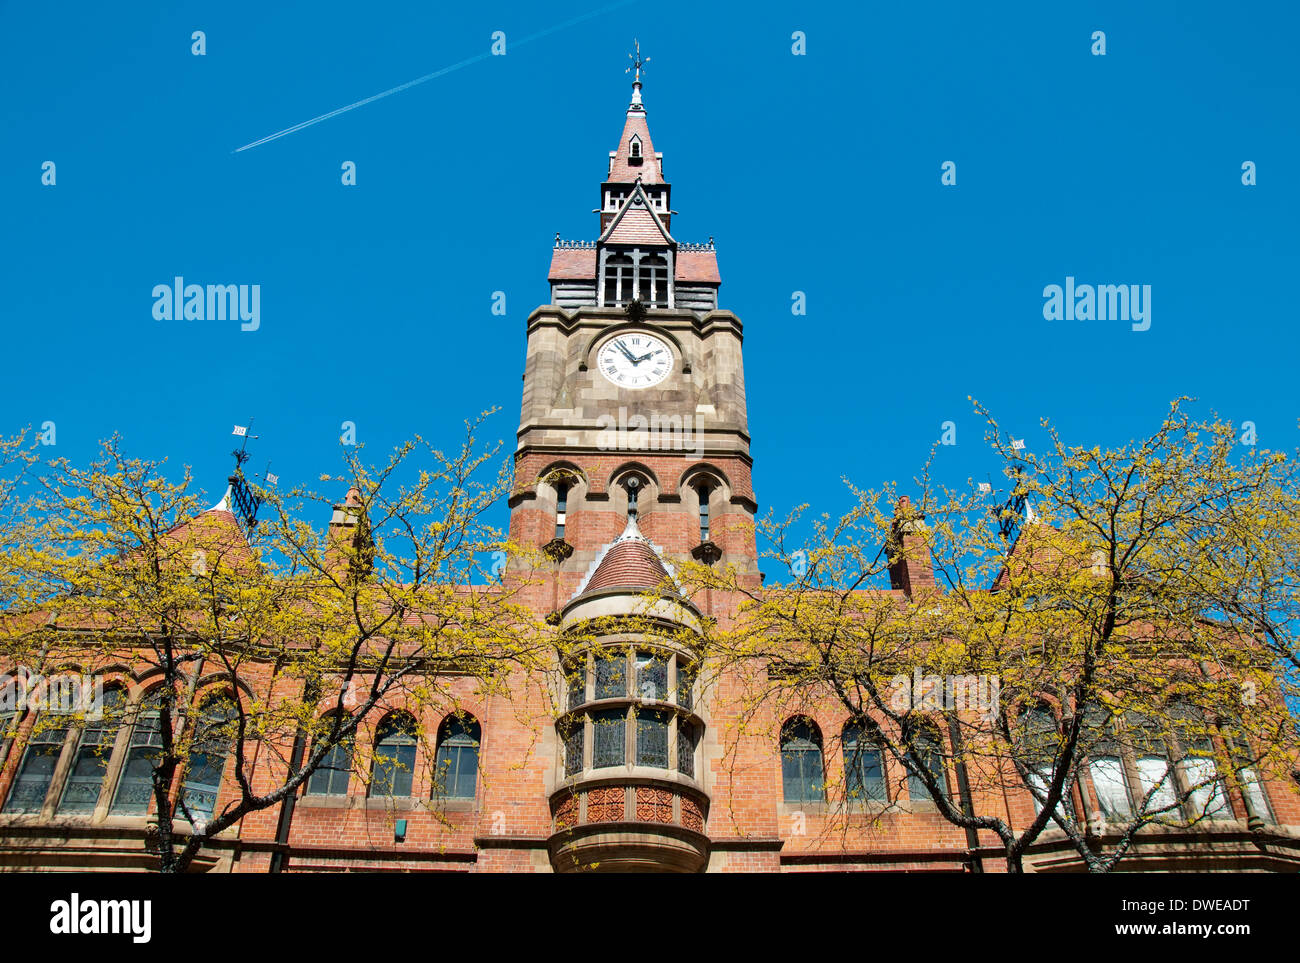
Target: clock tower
<point>633,457</point>
<point>633,414</point>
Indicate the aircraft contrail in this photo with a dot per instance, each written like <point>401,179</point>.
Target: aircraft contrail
<point>437,73</point>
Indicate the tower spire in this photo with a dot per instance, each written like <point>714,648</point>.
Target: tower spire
<point>637,64</point>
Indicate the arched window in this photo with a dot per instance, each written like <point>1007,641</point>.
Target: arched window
<point>1106,764</point>
<point>135,784</point>
<point>214,735</point>
<point>393,769</point>
<point>94,748</point>
<point>634,148</point>
<point>702,490</point>
<point>1251,786</point>
<point>1039,744</point>
<point>1206,797</point>
<point>802,775</point>
<point>652,278</point>
<point>335,770</point>
<point>8,718</point>
<point>561,505</point>
<point>1151,753</point>
<point>618,279</point>
<point>40,758</point>
<point>864,765</point>
<point>632,483</point>
<point>926,753</point>
<point>457,761</point>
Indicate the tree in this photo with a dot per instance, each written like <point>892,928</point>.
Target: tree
<point>271,645</point>
<point>1113,645</point>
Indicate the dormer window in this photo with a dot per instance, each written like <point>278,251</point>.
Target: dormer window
<point>634,150</point>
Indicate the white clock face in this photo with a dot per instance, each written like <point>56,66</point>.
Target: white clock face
<point>635,360</point>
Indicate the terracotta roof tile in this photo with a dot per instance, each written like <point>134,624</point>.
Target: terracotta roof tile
<point>629,564</point>
<point>637,226</point>
<point>621,172</point>
<point>698,266</point>
<point>573,263</point>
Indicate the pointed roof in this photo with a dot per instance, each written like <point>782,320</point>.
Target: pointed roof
<point>621,168</point>
<point>629,562</point>
<point>217,532</point>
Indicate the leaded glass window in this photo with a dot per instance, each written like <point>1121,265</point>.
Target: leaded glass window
<point>609,744</point>
<point>1207,798</point>
<point>1251,786</point>
<point>1106,765</point>
<point>393,770</point>
<point>686,675</point>
<point>1039,743</point>
<point>135,782</point>
<point>651,676</point>
<point>457,761</point>
<point>802,775</point>
<point>1152,756</point>
<point>332,776</point>
<point>864,765</point>
<point>212,741</point>
<point>577,679</point>
<point>652,739</point>
<point>94,749</point>
<point>927,753</point>
<point>686,748</point>
<point>35,772</point>
<point>611,674</point>
<point>573,744</point>
<point>8,717</point>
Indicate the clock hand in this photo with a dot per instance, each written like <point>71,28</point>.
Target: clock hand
<point>626,353</point>
<point>649,355</point>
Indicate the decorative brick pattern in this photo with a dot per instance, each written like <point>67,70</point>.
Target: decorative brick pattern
<point>654,805</point>
<point>566,812</point>
<point>692,815</point>
<point>605,805</point>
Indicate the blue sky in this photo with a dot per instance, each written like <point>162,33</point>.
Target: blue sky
<point>817,173</point>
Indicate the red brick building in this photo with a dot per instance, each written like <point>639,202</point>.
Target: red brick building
<point>633,454</point>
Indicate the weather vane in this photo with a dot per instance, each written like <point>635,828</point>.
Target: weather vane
<point>637,62</point>
<point>246,500</point>
<point>1010,514</point>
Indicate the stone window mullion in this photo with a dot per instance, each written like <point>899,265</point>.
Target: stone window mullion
<point>67,755</point>
<point>116,760</point>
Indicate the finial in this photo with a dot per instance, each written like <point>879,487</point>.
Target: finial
<point>637,64</point>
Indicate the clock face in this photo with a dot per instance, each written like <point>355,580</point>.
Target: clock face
<point>635,360</point>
